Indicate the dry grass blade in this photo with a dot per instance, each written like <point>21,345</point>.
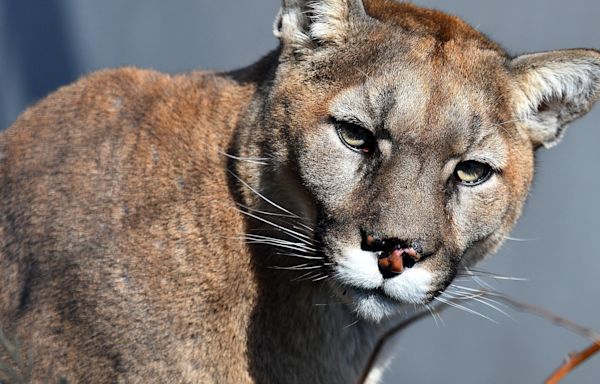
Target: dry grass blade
<point>575,359</point>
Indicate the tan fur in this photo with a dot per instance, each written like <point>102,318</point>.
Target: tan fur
<point>127,198</point>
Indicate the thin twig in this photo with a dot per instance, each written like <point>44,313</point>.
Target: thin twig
<point>546,314</point>
<point>575,359</point>
<point>389,334</point>
<point>573,362</point>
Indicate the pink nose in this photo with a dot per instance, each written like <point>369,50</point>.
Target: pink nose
<point>395,261</point>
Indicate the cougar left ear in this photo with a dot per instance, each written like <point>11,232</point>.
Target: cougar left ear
<point>555,88</point>
<point>303,25</point>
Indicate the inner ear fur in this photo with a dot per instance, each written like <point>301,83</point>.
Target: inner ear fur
<point>304,25</point>
<point>555,88</point>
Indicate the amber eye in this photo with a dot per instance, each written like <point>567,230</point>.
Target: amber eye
<point>355,136</point>
<point>472,172</point>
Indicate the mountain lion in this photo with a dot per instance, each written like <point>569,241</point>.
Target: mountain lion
<point>228,227</point>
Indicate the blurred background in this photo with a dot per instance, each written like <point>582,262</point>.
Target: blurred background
<point>49,43</point>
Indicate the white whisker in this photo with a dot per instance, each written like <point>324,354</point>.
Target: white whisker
<point>308,276</point>
<point>291,254</point>
<point>305,276</point>
<point>469,289</point>
<point>435,315</point>
<point>262,196</point>
<point>352,324</point>
<point>460,295</point>
<point>518,239</point>
<point>304,228</point>
<point>284,246</point>
<point>302,247</point>
<point>302,267</point>
<point>480,298</point>
<point>255,160</point>
<point>267,212</point>
<point>483,293</point>
<point>255,236</point>
<point>482,283</point>
<point>478,273</point>
<point>463,308</point>
<point>290,232</point>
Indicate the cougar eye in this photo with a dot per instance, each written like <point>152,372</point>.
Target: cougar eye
<point>355,137</point>
<point>472,172</point>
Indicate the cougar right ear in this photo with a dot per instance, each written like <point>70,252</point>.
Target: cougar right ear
<point>555,88</point>
<point>303,25</point>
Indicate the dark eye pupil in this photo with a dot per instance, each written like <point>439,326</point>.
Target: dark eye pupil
<point>355,136</point>
<point>472,172</point>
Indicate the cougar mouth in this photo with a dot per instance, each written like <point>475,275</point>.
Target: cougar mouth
<point>375,294</point>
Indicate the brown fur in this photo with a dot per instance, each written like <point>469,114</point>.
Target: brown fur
<point>122,210</point>
<point>123,255</point>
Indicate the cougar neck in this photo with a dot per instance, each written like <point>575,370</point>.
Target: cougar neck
<point>299,332</point>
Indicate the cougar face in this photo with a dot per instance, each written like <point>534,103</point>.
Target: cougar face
<point>383,159</point>
<point>415,154</point>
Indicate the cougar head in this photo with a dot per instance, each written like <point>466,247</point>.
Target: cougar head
<point>413,137</point>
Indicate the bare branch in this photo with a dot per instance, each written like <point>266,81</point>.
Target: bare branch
<point>388,335</point>
<point>547,315</point>
<point>575,359</point>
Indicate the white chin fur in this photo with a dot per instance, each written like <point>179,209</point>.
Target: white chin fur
<point>375,297</point>
<point>358,268</point>
<point>411,286</point>
<point>373,306</point>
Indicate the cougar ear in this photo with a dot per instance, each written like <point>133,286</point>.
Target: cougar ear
<point>555,88</point>
<point>306,24</point>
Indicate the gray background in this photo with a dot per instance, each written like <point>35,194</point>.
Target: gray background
<point>45,44</point>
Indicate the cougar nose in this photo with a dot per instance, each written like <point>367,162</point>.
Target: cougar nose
<point>393,255</point>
